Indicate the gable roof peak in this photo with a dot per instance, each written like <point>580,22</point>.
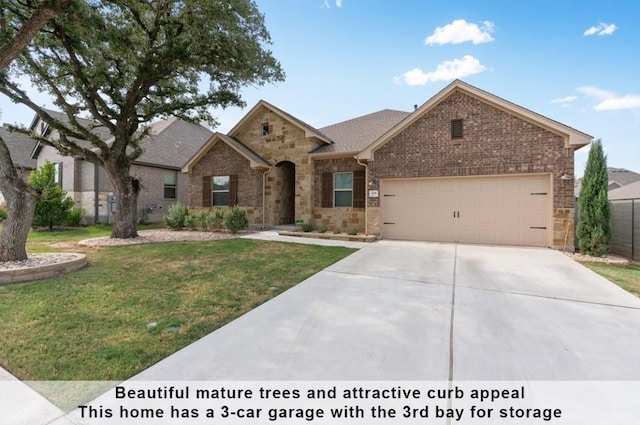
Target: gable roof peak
<point>309,130</point>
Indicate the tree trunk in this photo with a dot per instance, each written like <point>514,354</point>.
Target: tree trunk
<point>21,204</point>
<point>127,188</point>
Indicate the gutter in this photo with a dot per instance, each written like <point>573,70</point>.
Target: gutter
<point>366,195</point>
<point>96,194</point>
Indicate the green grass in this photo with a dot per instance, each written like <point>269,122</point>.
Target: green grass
<point>93,324</point>
<point>626,276</point>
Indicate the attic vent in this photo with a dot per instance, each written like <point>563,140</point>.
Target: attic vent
<point>456,129</point>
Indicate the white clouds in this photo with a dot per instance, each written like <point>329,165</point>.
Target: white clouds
<point>608,101</point>
<point>601,29</point>
<point>446,71</point>
<point>327,5</point>
<point>460,31</point>
<point>628,101</point>
<point>564,101</point>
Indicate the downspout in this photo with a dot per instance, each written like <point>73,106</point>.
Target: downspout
<point>264,196</point>
<point>96,194</point>
<point>366,196</point>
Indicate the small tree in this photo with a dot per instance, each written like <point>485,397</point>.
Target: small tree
<point>594,215</point>
<point>54,206</point>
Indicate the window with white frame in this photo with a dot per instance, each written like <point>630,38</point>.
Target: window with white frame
<point>220,191</point>
<point>170,184</point>
<point>343,189</point>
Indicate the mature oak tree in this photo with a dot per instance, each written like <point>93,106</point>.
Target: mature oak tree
<point>20,197</point>
<point>124,63</point>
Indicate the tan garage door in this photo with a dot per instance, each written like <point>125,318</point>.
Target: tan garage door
<point>512,210</point>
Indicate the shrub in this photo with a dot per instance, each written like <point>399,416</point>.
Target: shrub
<point>190,222</point>
<point>353,231</point>
<point>306,227</point>
<point>75,217</point>
<point>176,216</point>
<point>336,231</point>
<point>3,213</point>
<point>323,229</point>
<point>236,219</point>
<point>594,214</point>
<point>218,220</point>
<point>53,206</point>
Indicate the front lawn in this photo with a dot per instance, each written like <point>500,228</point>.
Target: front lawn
<point>626,276</point>
<point>134,305</point>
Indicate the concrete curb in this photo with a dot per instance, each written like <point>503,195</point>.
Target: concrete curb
<point>28,274</point>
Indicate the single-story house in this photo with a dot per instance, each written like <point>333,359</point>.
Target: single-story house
<point>466,166</point>
<point>20,148</point>
<point>167,148</point>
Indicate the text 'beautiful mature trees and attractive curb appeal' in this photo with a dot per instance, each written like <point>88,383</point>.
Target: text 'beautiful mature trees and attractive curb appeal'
<point>125,63</point>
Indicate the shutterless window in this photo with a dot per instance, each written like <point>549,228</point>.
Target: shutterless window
<point>343,189</point>
<point>170,183</point>
<point>220,191</point>
<point>265,129</point>
<point>57,173</point>
<point>456,129</point>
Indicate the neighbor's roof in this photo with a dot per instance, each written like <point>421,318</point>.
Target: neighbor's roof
<point>172,142</point>
<point>573,138</point>
<point>618,177</point>
<point>255,160</point>
<point>621,177</point>
<point>309,131</point>
<point>20,147</point>
<point>356,134</point>
<point>630,191</point>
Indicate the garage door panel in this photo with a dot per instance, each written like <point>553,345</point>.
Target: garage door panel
<point>511,210</point>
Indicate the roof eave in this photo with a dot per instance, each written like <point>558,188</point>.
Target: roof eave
<point>572,138</point>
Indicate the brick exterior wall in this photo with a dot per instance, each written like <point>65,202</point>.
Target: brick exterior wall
<point>494,143</point>
<point>341,219</point>
<point>223,160</point>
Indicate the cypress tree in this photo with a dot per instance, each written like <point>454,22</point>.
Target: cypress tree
<point>594,215</point>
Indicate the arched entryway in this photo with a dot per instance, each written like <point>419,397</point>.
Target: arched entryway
<point>285,193</point>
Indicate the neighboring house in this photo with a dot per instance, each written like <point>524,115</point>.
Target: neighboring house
<point>625,220</point>
<point>169,145</point>
<point>466,166</point>
<point>618,177</point>
<point>20,148</point>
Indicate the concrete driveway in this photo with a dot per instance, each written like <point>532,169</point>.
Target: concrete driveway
<point>426,311</point>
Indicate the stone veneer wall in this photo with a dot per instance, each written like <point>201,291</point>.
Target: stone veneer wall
<point>286,141</point>
<point>495,143</point>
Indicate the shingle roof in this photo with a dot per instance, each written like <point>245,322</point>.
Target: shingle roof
<point>356,134</point>
<point>630,191</point>
<point>622,176</point>
<point>244,150</point>
<point>618,178</point>
<point>20,147</point>
<point>173,142</point>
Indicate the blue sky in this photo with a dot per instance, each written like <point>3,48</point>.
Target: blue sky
<point>575,62</point>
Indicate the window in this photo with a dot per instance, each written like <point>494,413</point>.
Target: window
<point>456,129</point>
<point>170,181</point>
<point>343,189</point>
<point>265,129</point>
<point>57,173</point>
<point>220,191</point>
